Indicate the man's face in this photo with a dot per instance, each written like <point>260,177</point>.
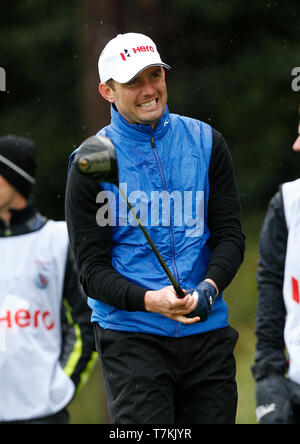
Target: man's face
<point>7,194</point>
<point>296,146</point>
<point>143,99</point>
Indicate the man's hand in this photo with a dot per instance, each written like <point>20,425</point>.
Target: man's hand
<point>205,295</point>
<point>273,400</point>
<point>167,303</point>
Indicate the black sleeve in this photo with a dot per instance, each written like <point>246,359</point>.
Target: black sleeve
<point>227,241</point>
<point>271,310</point>
<point>77,354</point>
<point>92,244</point>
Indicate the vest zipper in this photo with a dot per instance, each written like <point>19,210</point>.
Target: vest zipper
<point>169,210</point>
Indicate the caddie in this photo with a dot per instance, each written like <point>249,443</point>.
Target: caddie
<point>46,342</point>
<point>277,365</point>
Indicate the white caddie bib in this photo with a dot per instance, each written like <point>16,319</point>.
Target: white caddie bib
<point>291,286</point>
<point>32,269</point>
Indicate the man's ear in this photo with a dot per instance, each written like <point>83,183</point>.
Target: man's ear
<point>106,92</point>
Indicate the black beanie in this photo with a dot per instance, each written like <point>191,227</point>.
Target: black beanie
<point>17,162</point>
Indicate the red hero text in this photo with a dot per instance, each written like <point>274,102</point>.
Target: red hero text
<point>295,290</point>
<point>143,49</point>
<point>23,318</point>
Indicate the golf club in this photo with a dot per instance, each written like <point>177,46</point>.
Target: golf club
<point>96,158</point>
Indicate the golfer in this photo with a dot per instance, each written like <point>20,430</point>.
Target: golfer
<point>165,360</point>
<point>277,365</point>
<point>45,330</point>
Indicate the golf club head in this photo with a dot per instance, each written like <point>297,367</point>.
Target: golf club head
<point>96,158</point>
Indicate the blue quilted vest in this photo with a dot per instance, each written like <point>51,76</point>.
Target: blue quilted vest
<point>164,173</point>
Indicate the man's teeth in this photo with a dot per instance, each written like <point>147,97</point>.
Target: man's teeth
<point>148,103</point>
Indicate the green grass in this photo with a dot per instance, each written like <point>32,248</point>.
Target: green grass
<point>246,388</point>
<point>241,297</point>
<point>89,406</point>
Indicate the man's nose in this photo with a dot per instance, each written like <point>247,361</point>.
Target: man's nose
<point>296,146</point>
<point>148,88</point>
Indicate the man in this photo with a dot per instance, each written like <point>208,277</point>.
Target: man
<point>161,363</point>
<point>278,312</point>
<point>45,331</point>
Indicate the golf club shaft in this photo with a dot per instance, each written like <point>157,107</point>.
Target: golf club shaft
<point>175,284</point>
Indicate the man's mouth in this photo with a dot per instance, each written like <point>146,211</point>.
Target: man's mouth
<point>145,105</point>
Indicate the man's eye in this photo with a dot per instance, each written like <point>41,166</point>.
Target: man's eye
<point>156,74</point>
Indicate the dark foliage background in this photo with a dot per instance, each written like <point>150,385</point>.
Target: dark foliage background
<point>231,67</point>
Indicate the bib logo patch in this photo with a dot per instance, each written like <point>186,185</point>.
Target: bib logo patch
<point>41,280</point>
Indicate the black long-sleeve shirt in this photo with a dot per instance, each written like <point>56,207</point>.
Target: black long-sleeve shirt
<point>91,243</point>
<point>271,312</point>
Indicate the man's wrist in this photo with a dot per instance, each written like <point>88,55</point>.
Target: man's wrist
<point>148,300</point>
<point>210,281</point>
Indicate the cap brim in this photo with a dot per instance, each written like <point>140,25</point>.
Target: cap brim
<point>125,76</point>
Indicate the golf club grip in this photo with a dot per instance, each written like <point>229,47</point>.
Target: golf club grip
<point>180,293</point>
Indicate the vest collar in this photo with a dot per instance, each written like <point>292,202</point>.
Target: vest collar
<point>140,132</point>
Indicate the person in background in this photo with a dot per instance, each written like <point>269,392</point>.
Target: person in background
<point>46,340</point>
<point>278,311</point>
<point>165,360</point>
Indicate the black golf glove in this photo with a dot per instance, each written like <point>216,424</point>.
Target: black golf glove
<point>273,400</point>
<point>207,294</point>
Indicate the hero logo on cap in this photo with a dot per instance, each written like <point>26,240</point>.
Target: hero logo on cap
<point>139,49</point>
<point>140,53</point>
<point>125,54</point>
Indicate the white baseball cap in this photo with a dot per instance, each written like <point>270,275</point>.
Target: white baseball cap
<point>126,56</point>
